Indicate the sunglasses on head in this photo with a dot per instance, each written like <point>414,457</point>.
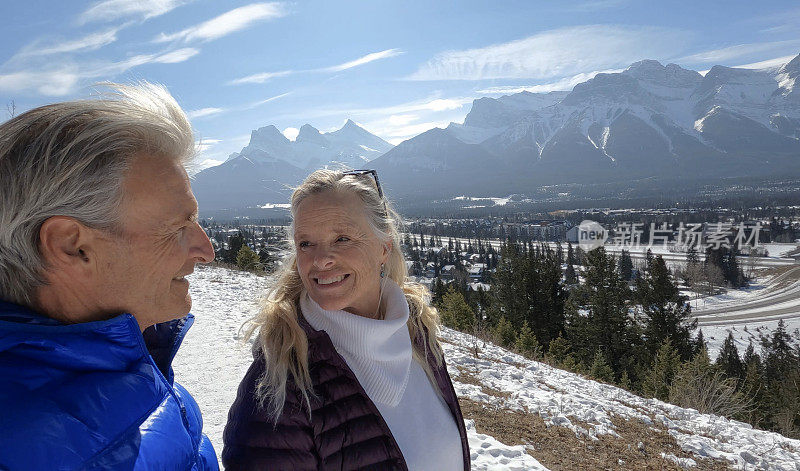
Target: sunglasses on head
<point>374,175</point>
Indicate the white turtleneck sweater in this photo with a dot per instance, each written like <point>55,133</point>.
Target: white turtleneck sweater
<point>379,353</point>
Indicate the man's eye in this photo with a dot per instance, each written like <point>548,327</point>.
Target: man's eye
<point>303,244</point>
<point>343,239</point>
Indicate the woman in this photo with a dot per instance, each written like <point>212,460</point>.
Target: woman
<point>348,373</point>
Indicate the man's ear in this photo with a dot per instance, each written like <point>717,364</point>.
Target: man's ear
<point>65,244</point>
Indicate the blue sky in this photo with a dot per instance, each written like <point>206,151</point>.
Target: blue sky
<point>396,67</point>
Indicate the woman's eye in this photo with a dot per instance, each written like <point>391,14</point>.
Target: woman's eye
<point>343,239</point>
<point>303,244</point>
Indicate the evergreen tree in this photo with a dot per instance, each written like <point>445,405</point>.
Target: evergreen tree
<point>600,369</point>
<point>570,277</point>
<point>659,377</point>
<point>625,381</point>
<point>700,342</point>
<point>598,315</point>
<point>665,312</point>
<point>728,359</point>
<point>570,255</point>
<point>455,312</point>
<point>247,259</point>
<point>559,351</point>
<point>778,354</point>
<point>625,265</point>
<point>235,243</point>
<point>527,344</point>
<point>504,332</point>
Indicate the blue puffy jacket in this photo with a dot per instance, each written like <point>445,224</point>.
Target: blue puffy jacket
<point>98,395</point>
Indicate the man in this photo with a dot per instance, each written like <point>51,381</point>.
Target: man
<point>98,230</point>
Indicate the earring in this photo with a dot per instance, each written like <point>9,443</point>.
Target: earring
<point>383,272</point>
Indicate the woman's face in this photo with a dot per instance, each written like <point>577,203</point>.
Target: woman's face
<point>338,254</point>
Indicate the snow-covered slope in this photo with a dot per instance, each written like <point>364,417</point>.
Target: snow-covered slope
<point>212,362</point>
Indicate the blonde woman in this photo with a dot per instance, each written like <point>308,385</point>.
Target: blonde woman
<point>347,371</point>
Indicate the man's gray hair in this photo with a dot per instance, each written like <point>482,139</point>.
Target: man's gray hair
<point>69,159</point>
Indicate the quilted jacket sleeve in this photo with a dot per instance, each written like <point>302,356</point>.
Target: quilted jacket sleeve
<point>253,442</point>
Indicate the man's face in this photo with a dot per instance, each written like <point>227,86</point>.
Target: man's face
<point>142,271</point>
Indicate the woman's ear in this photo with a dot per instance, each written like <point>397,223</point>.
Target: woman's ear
<point>387,249</point>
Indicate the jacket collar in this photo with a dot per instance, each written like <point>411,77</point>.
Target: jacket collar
<point>98,343</point>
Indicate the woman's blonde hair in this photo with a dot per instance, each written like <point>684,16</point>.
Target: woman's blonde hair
<point>281,340</point>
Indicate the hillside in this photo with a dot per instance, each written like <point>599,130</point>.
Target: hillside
<point>521,414</point>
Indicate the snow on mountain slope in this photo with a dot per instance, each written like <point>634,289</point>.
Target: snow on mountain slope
<point>211,363</point>
<point>270,164</point>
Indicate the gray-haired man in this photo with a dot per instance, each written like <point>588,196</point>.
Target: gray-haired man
<point>98,229</point>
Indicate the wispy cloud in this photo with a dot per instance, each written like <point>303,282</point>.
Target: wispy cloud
<point>90,42</point>
<point>54,82</point>
<point>363,60</point>
<point>769,63</point>
<point>260,78</point>
<point>258,103</point>
<point>718,56</point>
<point>110,10</point>
<point>227,23</point>
<point>565,84</point>
<point>775,23</point>
<point>555,53</point>
<point>194,114</point>
<point>62,79</point>
<point>265,76</point>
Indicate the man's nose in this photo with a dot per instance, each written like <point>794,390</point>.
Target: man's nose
<point>202,250</point>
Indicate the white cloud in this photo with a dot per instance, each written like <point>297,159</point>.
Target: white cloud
<point>565,84</point>
<point>194,114</point>
<point>179,55</point>
<point>227,23</point>
<point>109,10</point>
<point>769,63</point>
<point>59,80</point>
<point>263,102</point>
<point>718,56</point>
<point>263,77</point>
<point>555,53</point>
<point>363,60</point>
<point>204,144</point>
<point>87,43</point>
<point>260,78</point>
<point>56,82</point>
<point>291,133</point>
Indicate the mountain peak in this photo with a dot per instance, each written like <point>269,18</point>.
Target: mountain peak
<point>310,134</point>
<point>265,136</point>
<point>671,75</point>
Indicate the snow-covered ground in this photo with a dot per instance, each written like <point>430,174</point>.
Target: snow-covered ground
<point>211,363</point>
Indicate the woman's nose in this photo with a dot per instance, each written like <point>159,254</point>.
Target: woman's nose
<point>323,258</point>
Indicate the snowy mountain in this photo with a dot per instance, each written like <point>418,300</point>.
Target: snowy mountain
<point>650,120</point>
<point>265,170</point>
<point>520,414</point>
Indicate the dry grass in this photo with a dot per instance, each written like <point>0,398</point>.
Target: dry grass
<point>558,448</point>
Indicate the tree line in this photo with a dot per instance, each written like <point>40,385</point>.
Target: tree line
<point>630,326</point>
